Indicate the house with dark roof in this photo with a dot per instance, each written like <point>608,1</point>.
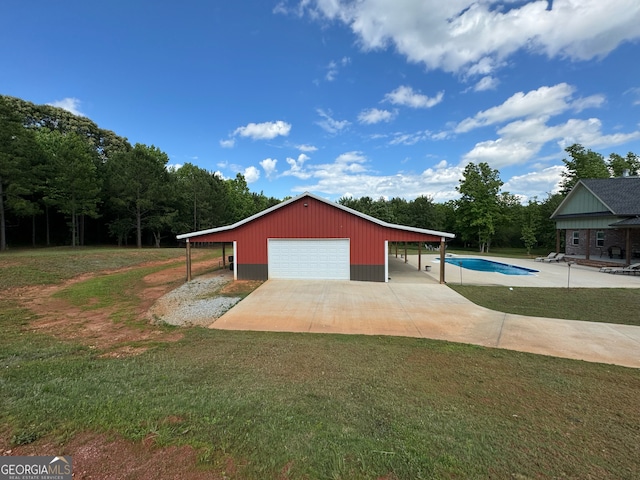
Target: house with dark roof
<point>601,219</point>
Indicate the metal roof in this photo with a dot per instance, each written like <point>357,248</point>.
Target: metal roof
<point>320,199</point>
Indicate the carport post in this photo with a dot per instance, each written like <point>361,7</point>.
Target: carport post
<point>442,262</point>
<point>188,260</point>
<point>419,255</point>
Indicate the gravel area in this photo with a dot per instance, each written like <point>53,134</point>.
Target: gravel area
<point>195,302</point>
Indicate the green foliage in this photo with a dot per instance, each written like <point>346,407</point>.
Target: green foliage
<point>421,212</point>
<point>138,183</point>
<point>201,193</point>
<point>479,205</point>
<point>582,163</point>
<point>19,158</point>
<point>74,186</point>
<point>618,165</point>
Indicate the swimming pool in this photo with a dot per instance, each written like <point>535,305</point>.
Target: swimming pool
<point>482,265</point>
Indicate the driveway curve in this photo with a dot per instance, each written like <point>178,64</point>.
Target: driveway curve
<point>423,308</point>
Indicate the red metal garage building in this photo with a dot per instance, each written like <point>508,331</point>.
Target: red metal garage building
<point>310,237</point>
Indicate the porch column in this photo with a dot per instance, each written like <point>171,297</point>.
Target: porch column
<point>558,241</point>
<point>588,243</point>
<point>628,246</point>
<point>442,262</point>
<point>188,260</point>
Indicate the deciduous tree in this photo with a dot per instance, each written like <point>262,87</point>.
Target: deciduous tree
<point>478,207</point>
<point>620,165</point>
<point>582,163</point>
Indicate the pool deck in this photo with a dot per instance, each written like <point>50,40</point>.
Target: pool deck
<point>554,274</point>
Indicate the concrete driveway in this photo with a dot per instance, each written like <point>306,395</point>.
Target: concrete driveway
<point>413,304</point>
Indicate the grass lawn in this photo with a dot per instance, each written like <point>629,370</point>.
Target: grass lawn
<point>612,305</point>
<point>313,406</point>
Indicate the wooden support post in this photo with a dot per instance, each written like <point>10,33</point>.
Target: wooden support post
<point>224,256</point>
<point>419,255</point>
<point>188,260</point>
<point>405,252</point>
<point>442,262</point>
<point>558,241</point>
<point>628,247</point>
<point>396,244</point>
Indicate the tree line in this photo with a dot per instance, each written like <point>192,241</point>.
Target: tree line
<point>65,181</point>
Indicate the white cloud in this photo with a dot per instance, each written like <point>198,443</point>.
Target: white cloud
<point>405,96</point>
<point>307,148</point>
<point>410,138</point>
<point>543,101</point>
<point>594,101</point>
<point>230,143</point>
<point>635,93</point>
<point>520,141</point>
<point>348,175</point>
<point>536,184</point>
<point>69,104</point>
<point>333,68</point>
<point>329,124</point>
<point>264,131</point>
<point>269,166</point>
<point>296,167</point>
<point>374,115</point>
<point>477,36</point>
<point>251,174</point>
<point>486,83</point>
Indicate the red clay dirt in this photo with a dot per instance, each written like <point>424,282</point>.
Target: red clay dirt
<point>95,328</point>
<point>100,456</point>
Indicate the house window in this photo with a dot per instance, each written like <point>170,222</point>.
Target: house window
<point>576,238</point>
<point>600,239</point>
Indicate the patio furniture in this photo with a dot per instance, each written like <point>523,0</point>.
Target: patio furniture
<point>557,258</point>
<point>631,269</point>
<point>542,259</point>
<point>615,252</point>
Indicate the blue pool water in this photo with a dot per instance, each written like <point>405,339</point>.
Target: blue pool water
<point>483,265</point>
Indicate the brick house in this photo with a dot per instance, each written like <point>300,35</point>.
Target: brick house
<point>601,219</point>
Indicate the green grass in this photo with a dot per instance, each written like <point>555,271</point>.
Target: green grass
<point>116,291</point>
<point>53,265</point>
<point>324,406</point>
<point>612,305</point>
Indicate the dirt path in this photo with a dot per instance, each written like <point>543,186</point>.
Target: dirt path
<point>95,328</point>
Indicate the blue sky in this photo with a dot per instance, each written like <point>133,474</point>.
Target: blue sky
<point>385,98</point>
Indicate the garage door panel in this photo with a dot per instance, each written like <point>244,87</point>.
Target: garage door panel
<point>309,258</point>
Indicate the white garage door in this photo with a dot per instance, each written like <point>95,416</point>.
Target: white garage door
<point>326,259</point>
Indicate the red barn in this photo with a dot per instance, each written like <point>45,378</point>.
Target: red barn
<point>313,238</point>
